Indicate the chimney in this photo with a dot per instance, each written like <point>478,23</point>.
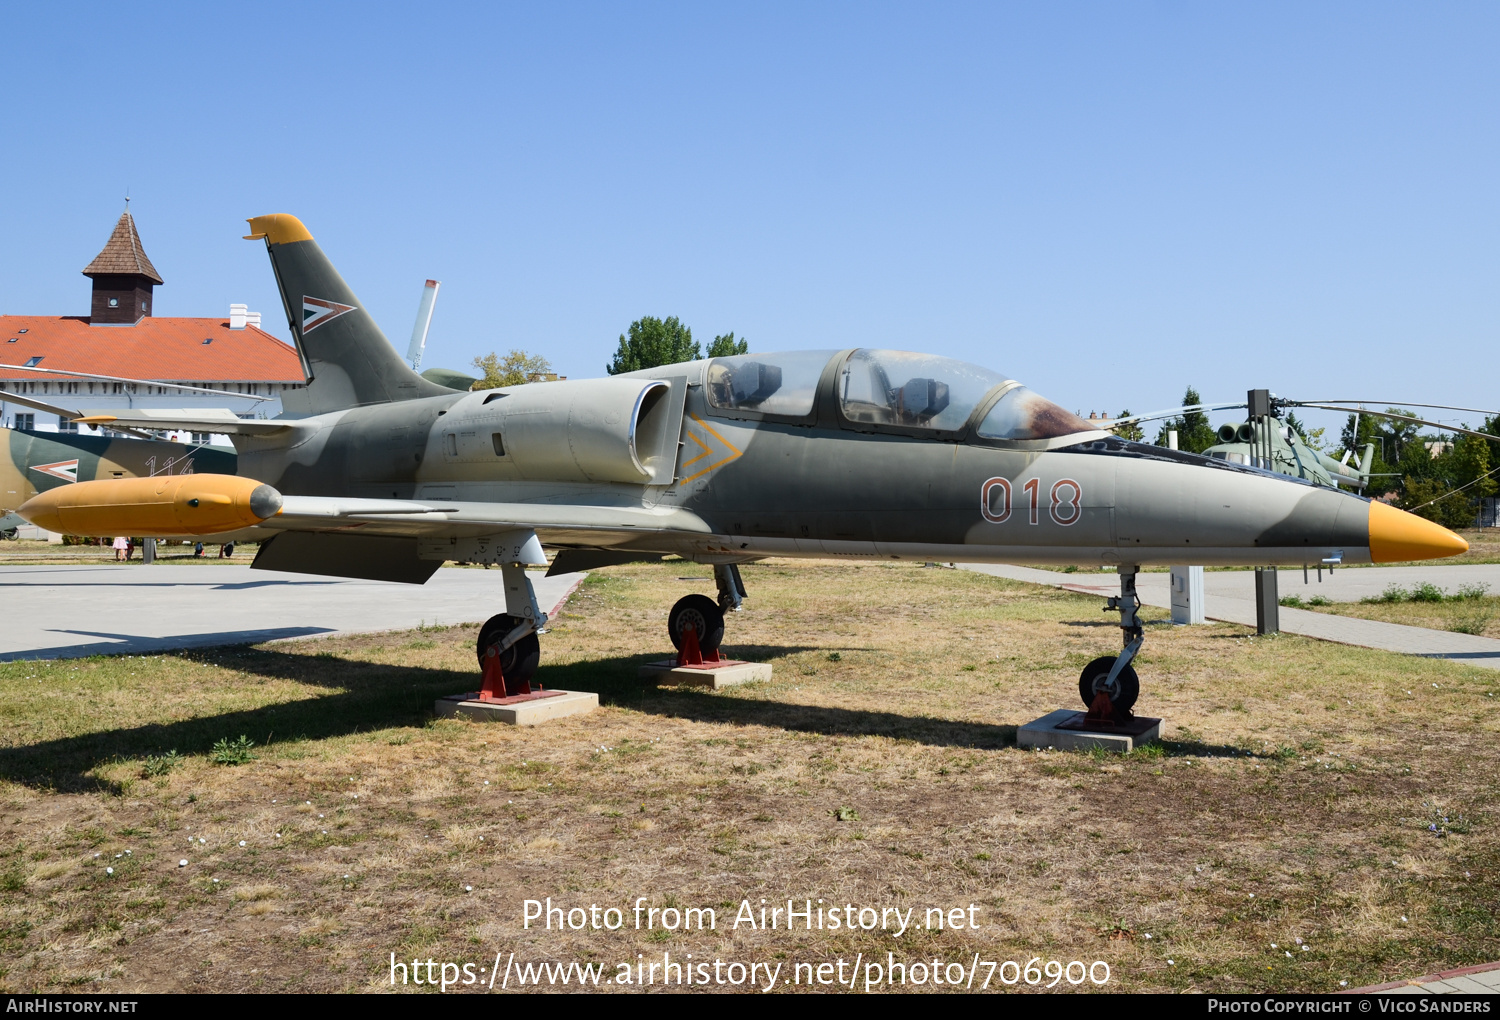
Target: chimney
<point>237,316</point>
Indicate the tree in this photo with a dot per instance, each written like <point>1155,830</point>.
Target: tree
<point>1130,430</point>
<point>1390,438</point>
<point>514,369</point>
<point>1194,434</point>
<point>727,346</point>
<point>651,342</point>
<point>1446,488</point>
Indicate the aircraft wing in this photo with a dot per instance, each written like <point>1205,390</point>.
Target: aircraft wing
<point>552,521</point>
<point>220,420</point>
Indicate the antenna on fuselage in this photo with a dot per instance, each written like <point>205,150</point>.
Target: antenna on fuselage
<point>424,321</point>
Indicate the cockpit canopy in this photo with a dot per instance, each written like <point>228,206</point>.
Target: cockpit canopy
<point>890,390</point>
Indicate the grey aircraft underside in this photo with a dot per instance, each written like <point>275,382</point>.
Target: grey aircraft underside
<point>849,453</point>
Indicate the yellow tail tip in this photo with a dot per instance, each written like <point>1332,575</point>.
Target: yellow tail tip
<point>1397,536</point>
<point>277,228</point>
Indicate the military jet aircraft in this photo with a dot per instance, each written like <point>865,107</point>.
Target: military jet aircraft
<point>858,453</point>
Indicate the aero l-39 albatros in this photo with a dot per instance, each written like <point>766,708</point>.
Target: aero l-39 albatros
<point>862,453</point>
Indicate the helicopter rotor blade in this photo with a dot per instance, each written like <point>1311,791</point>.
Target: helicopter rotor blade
<point>1171,411</point>
<point>1363,405</point>
<point>1398,417</point>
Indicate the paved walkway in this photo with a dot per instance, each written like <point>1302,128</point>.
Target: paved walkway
<point>1230,595</point>
<point>1350,584</point>
<point>1481,980</point>
<point>66,612</point>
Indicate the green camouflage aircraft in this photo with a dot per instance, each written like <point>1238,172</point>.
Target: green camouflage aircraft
<point>376,472</point>
<point>1278,447</point>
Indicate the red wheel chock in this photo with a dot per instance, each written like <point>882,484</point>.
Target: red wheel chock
<point>691,655</point>
<point>1101,711</point>
<point>496,687</point>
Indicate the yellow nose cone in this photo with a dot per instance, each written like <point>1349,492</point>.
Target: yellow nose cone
<point>1397,536</point>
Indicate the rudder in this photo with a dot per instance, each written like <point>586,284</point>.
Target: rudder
<point>347,359</point>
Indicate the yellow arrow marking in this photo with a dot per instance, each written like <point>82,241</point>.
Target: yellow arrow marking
<point>733,451</point>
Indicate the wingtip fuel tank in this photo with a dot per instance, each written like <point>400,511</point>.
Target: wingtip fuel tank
<point>205,504</point>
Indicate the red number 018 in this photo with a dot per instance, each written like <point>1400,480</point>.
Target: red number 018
<point>1065,497</point>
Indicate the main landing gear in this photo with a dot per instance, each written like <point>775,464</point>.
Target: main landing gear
<point>704,616</point>
<point>1108,685</point>
<point>509,651</point>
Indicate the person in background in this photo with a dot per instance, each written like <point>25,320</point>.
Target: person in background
<point>198,551</point>
<point>120,545</point>
<point>129,549</point>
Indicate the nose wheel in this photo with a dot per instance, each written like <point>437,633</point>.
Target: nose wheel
<point>1112,675</point>
<point>1122,690</point>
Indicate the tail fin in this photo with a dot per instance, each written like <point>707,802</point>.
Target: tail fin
<point>1367,461</point>
<point>347,359</point>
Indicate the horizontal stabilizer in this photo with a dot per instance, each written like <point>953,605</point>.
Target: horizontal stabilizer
<point>449,378</point>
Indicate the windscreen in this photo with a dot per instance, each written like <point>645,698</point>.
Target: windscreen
<point>1022,414</point>
<point>912,390</point>
<point>769,383</point>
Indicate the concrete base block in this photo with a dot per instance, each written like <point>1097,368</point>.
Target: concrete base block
<point>726,674</point>
<point>1044,732</point>
<point>524,710</point>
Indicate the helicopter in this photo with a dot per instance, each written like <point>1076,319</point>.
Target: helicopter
<point>1266,440</point>
<point>1244,443</point>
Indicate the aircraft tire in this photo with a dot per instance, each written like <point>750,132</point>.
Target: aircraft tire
<point>1128,685</point>
<point>520,661</point>
<point>702,614</point>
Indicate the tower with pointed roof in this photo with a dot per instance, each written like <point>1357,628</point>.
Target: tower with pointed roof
<point>123,278</point>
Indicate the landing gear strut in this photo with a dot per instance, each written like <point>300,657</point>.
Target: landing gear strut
<point>509,651</point>
<point>1108,685</point>
<point>731,587</point>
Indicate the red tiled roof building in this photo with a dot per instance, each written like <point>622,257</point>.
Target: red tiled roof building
<point>230,356</point>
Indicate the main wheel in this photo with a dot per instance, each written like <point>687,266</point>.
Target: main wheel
<point>700,613</point>
<point>1122,693</point>
<point>518,662</point>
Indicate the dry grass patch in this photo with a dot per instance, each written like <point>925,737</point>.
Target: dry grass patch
<point>878,767</point>
<point>1479,616</point>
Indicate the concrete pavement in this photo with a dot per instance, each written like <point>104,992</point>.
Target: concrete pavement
<point>71,611</point>
<point>1230,595</point>
<point>1483,979</point>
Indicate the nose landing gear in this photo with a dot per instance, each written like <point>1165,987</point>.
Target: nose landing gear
<point>1109,685</point>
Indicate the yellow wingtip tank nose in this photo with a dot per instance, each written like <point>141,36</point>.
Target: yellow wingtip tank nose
<point>164,505</point>
<point>1397,536</point>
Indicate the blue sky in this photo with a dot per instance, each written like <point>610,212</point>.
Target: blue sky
<point>1108,201</point>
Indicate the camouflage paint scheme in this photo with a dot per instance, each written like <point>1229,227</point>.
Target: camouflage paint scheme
<point>39,461</point>
<point>386,474</point>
